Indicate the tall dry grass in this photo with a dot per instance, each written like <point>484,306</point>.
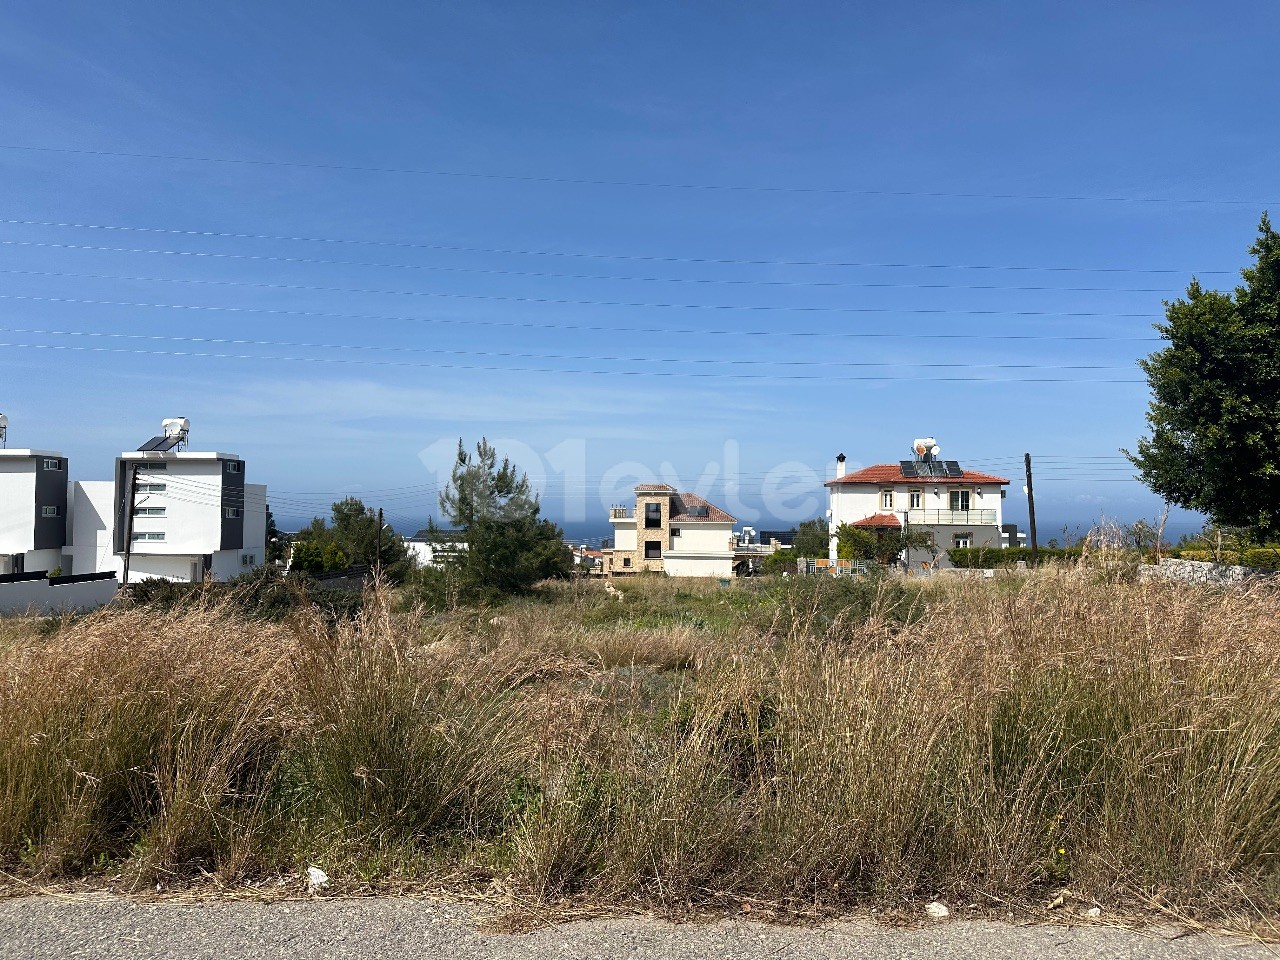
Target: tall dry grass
<point>813,744</point>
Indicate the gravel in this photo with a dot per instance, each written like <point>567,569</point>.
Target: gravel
<point>392,928</point>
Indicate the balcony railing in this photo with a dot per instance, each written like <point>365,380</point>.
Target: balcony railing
<point>927,518</point>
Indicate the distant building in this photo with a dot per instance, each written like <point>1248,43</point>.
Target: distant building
<point>180,515</point>
<point>961,508</point>
<point>430,548</point>
<point>33,510</point>
<point>679,534</point>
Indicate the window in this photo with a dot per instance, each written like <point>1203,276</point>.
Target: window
<point>49,511</point>
<point>234,466</point>
<point>148,465</point>
<point>151,487</point>
<point>148,511</point>
<point>886,499</point>
<point>146,536</point>
<point>652,516</point>
<point>915,499</point>
<point>248,559</point>
<point>52,464</point>
<point>626,561</point>
<point>675,531</point>
<point>653,550</point>
<point>231,513</point>
<point>963,540</point>
<point>959,499</point>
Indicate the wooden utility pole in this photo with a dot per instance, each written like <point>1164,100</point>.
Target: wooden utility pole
<point>129,497</point>
<point>1031,514</point>
<point>377,568</point>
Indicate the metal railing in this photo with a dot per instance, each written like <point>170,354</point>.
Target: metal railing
<point>959,518</point>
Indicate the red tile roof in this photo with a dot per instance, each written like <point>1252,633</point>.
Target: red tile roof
<point>879,522</point>
<point>687,500</point>
<point>892,473</point>
<point>655,488</point>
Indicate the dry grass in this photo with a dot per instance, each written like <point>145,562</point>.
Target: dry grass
<point>805,746</point>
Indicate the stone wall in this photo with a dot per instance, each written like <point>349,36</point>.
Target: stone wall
<point>1199,571</point>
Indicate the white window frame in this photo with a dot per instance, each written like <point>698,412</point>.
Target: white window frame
<point>957,497</point>
<point>149,537</point>
<point>235,466</point>
<point>915,499</point>
<point>50,512</point>
<point>886,498</point>
<point>149,511</point>
<point>52,463</point>
<point>151,487</point>
<point>962,541</point>
<point>146,465</point>
<point>231,513</point>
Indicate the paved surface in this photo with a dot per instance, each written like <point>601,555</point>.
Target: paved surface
<point>390,928</point>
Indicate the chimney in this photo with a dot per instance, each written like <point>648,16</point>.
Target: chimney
<point>839,465</point>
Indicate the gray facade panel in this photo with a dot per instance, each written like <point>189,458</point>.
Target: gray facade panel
<point>232,500</point>
<point>51,491</point>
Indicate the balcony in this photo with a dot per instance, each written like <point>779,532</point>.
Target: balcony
<point>958,518</point>
<point>619,513</point>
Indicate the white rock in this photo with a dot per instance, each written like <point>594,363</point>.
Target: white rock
<point>937,910</point>
<point>1091,912</point>
<point>317,879</point>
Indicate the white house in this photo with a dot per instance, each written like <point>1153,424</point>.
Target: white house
<point>33,510</point>
<point>679,534</point>
<point>961,508</point>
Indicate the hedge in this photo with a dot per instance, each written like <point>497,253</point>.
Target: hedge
<point>987,558</point>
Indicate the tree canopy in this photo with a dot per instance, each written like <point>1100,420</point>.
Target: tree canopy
<point>509,546</point>
<point>351,537</point>
<point>1214,414</point>
<point>812,539</point>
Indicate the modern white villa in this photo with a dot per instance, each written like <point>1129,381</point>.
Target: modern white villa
<point>961,508</point>
<point>170,513</point>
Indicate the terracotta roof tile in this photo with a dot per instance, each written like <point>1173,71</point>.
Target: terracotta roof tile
<point>714,513</point>
<point>879,522</point>
<point>892,473</point>
<point>655,488</point>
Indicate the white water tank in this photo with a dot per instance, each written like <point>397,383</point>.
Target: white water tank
<point>176,427</point>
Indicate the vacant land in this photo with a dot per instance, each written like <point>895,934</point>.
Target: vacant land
<point>790,746</point>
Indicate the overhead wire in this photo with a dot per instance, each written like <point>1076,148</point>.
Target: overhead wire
<point>646,184</point>
<point>586,255</point>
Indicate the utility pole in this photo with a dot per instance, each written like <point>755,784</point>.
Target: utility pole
<point>130,495</point>
<point>378,561</point>
<point>1031,514</point>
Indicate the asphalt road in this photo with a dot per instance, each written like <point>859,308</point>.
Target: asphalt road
<point>391,928</point>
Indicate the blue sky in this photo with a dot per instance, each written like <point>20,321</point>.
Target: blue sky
<point>902,134</point>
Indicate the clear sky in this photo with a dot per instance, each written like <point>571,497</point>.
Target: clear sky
<point>416,234</point>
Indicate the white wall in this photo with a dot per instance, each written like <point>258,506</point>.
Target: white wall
<point>698,565</point>
<point>17,505</point>
<point>624,535</point>
<point>702,537</point>
<point>192,501</point>
<point>91,504</point>
<point>39,597</point>
<point>852,502</point>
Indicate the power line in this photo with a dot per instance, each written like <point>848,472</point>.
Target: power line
<point>644,258</point>
<point>612,373</point>
<point>645,184</point>
<point>717,307</point>
<point>169,338</point>
<point>529,325</point>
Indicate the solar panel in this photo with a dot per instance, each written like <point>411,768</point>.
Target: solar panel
<point>953,468</point>
<point>908,468</point>
<point>160,444</point>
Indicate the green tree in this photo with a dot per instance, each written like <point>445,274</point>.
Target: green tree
<point>1215,409</point>
<point>855,543</point>
<point>277,541</point>
<point>509,546</point>
<point>353,536</point>
<point>812,539</point>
